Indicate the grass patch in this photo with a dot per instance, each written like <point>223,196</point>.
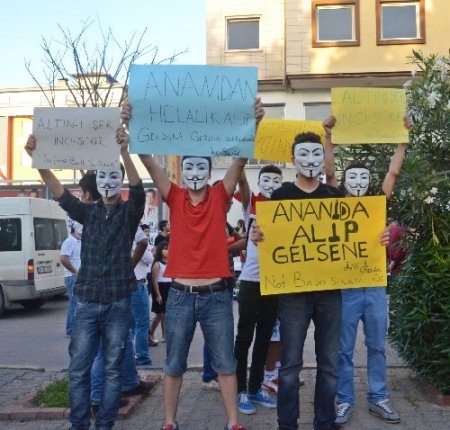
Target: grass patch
<point>54,395</point>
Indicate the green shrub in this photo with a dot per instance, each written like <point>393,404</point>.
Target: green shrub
<point>420,298</point>
<point>55,395</point>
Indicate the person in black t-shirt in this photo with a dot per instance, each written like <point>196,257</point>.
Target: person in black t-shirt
<point>164,232</point>
<point>298,309</point>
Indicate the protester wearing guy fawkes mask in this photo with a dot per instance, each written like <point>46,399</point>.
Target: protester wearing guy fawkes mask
<point>109,184</point>
<point>295,311</point>
<point>257,313</point>
<point>104,283</point>
<point>370,306</point>
<point>196,172</point>
<point>198,265</point>
<point>357,180</point>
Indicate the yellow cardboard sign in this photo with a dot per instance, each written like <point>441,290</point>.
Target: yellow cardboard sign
<point>321,244</point>
<point>369,115</point>
<point>275,137</point>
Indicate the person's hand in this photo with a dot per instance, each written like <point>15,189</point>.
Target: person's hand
<point>259,110</point>
<point>256,235</point>
<point>122,139</point>
<point>30,146</point>
<point>408,123</point>
<point>159,299</point>
<point>125,113</point>
<point>328,124</point>
<point>385,236</point>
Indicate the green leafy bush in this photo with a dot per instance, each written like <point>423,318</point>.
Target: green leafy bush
<point>420,298</point>
<point>55,395</point>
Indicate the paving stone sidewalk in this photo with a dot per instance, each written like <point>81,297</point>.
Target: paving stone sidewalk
<point>202,410</point>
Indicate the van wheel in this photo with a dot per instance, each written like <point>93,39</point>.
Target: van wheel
<point>2,301</point>
<point>33,304</point>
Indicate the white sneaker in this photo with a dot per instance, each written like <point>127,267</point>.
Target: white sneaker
<point>271,386</point>
<point>212,385</point>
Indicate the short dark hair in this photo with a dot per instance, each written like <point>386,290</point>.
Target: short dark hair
<point>150,190</point>
<point>270,168</point>
<point>144,226</point>
<point>88,183</point>
<point>162,224</point>
<point>198,156</point>
<point>305,137</point>
<point>355,165</point>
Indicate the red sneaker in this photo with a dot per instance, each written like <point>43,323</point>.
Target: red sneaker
<point>236,427</point>
<point>170,427</point>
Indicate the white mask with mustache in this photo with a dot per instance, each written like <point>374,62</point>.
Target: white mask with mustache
<point>357,181</point>
<point>109,182</point>
<point>268,183</point>
<point>195,171</point>
<point>308,158</point>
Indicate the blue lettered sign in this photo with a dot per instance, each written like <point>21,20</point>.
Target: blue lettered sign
<point>192,110</point>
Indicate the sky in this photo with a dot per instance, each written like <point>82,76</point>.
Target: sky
<point>172,25</point>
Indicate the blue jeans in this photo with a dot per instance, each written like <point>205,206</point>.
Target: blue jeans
<point>370,306</point>
<point>93,322</point>
<point>214,312</point>
<point>141,322</point>
<point>130,377</point>
<point>295,312</point>
<point>208,372</point>
<point>69,282</point>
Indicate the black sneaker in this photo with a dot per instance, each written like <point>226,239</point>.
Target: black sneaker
<point>95,406</point>
<point>143,389</point>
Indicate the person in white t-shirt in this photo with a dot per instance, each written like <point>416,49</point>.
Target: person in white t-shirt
<point>142,258</point>
<point>70,259</point>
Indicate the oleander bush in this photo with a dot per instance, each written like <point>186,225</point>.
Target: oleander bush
<point>420,297</point>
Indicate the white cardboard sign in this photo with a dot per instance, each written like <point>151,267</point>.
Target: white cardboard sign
<point>76,138</point>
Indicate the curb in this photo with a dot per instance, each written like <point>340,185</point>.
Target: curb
<point>23,411</point>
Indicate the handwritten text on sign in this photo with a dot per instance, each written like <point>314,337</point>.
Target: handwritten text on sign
<point>192,110</point>
<point>368,115</point>
<point>321,244</point>
<point>275,137</point>
<point>76,138</point>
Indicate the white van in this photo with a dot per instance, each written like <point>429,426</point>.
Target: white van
<point>32,231</point>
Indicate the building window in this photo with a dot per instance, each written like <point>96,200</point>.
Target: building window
<point>335,23</point>
<point>242,33</point>
<point>400,22</point>
<point>317,111</point>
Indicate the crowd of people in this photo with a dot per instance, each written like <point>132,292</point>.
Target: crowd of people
<point>112,271</point>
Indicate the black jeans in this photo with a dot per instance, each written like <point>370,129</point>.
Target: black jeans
<point>260,312</point>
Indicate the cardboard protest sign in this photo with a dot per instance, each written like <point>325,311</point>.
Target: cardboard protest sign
<point>76,138</point>
<point>369,115</point>
<point>321,244</point>
<point>192,110</point>
<point>275,137</point>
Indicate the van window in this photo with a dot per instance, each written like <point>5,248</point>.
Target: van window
<point>10,234</point>
<point>49,233</point>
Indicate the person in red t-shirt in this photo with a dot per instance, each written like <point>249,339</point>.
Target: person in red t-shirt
<point>198,264</point>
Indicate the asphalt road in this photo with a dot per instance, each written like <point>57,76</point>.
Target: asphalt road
<point>37,338</point>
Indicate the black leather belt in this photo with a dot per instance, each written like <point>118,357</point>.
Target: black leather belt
<point>210,288</point>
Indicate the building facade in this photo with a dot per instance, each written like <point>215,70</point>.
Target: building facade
<point>303,48</point>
